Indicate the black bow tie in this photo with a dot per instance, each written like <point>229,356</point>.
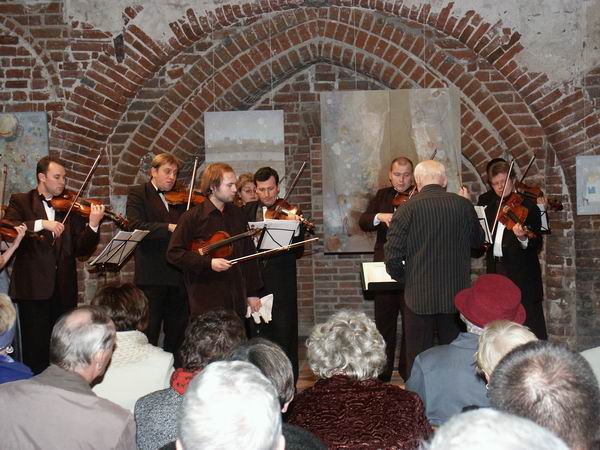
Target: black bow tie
<point>160,192</point>
<point>45,200</point>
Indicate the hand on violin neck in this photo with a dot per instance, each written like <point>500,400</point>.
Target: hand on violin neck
<point>55,227</point>
<point>172,227</point>
<point>96,215</point>
<point>520,232</point>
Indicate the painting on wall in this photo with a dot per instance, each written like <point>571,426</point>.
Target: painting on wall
<point>23,142</point>
<point>246,140</point>
<point>588,184</point>
<point>362,132</point>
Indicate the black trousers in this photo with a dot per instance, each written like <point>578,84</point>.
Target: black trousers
<point>37,318</point>
<point>169,310</point>
<point>421,330</point>
<point>388,305</point>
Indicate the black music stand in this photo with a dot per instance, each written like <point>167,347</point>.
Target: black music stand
<point>118,249</point>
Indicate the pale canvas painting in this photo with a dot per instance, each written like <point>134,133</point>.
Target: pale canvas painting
<point>362,132</point>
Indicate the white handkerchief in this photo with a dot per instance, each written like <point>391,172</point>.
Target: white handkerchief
<point>266,306</point>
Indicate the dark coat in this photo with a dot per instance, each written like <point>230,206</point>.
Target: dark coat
<point>146,211</point>
<point>208,289</point>
<point>381,203</point>
<point>41,267</point>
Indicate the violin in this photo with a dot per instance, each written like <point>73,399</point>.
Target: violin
<point>402,197</point>
<point>534,192</point>
<point>512,212</point>
<point>282,210</point>
<point>83,207</point>
<point>220,243</point>
<point>9,233</point>
<point>181,197</point>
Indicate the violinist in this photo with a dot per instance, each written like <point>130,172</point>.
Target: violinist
<point>513,253</point>
<point>148,209</point>
<point>12,246</point>
<point>44,277</point>
<point>278,271</point>
<point>212,282</point>
<point>377,217</point>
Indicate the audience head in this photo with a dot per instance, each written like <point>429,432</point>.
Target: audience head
<point>491,297</point>
<point>347,344</point>
<point>498,338</point>
<point>82,341</point>
<point>8,320</point>
<point>551,385</point>
<point>209,337</point>
<point>492,430</point>
<point>230,405</point>
<point>126,305</point>
<point>274,364</point>
<point>430,172</point>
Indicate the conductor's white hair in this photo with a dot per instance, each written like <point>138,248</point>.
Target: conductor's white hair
<point>347,344</point>
<point>230,405</point>
<point>430,172</point>
<point>492,430</point>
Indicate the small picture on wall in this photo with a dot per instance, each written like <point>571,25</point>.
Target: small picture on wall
<point>588,184</point>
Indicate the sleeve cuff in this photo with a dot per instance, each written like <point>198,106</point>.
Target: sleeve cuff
<point>376,221</point>
<point>37,226</point>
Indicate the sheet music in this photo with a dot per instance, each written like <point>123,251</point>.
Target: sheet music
<point>278,233</point>
<point>120,247</point>
<point>480,210</point>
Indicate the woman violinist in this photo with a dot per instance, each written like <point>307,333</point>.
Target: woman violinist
<point>11,233</point>
<point>516,243</point>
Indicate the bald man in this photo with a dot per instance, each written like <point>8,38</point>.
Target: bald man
<point>428,246</point>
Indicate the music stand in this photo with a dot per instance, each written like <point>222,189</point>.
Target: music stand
<point>118,249</point>
<point>276,233</point>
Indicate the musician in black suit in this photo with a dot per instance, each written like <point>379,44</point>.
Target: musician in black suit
<point>44,277</point>
<point>514,253</point>
<point>147,209</point>
<point>377,217</point>
<point>278,272</point>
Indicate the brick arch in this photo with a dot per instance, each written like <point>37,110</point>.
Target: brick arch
<point>35,50</point>
<point>315,37</point>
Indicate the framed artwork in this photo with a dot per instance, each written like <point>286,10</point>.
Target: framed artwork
<point>588,184</point>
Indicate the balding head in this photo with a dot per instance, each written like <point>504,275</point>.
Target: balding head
<point>430,172</point>
<point>79,336</point>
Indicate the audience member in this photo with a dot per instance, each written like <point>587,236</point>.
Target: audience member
<point>551,385</point>
<point>274,364</point>
<point>57,409</point>
<point>231,405</point>
<point>349,407</point>
<point>10,370</point>
<point>445,377</point>
<point>137,367</point>
<point>209,337</point>
<point>492,430</point>
<point>498,338</point>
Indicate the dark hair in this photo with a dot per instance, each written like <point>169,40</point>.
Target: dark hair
<point>552,386</point>
<point>210,337</point>
<point>272,361</point>
<point>491,162</point>
<point>126,304</point>
<point>402,161</point>
<point>264,173</point>
<point>44,163</point>
<point>499,167</point>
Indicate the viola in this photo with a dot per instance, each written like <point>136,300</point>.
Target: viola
<point>83,207</point>
<point>9,233</point>
<point>181,197</point>
<point>512,212</point>
<point>220,243</point>
<point>534,192</point>
<point>282,210</point>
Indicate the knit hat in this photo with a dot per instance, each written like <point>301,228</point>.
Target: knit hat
<point>492,297</point>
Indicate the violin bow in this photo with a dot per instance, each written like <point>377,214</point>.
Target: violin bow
<point>527,168</point>
<point>512,163</point>
<point>273,250</point>
<point>83,186</point>
<point>189,202</point>
<point>293,185</point>
<point>414,189</point>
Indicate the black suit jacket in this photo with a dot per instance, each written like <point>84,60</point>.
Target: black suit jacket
<point>522,265</point>
<point>381,203</point>
<point>40,267</point>
<point>146,211</point>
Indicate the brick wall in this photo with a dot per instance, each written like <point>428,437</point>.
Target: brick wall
<point>281,54</point>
